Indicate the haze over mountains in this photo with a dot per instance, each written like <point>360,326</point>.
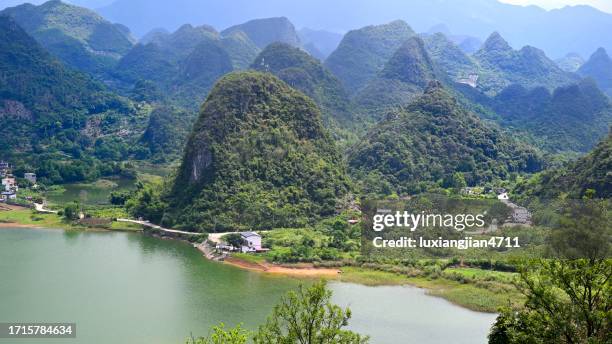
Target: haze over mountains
<point>583,28</point>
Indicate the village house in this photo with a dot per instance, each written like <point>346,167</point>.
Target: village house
<point>252,240</point>
<point>7,195</point>
<point>503,196</point>
<point>31,177</point>
<point>9,183</point>
<point>4,166</point>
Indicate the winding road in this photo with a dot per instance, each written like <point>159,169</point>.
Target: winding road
<point>154,226</point>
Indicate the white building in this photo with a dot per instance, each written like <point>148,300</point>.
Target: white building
<point>503,196</point>
<point>9,183</point>
<point>253,242</point>
<point>6,195</point>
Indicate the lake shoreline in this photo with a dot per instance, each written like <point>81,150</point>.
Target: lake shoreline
<point>291,270</point>
<point>438,288</point>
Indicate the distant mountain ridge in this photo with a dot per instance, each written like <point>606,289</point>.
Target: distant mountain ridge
<point>78,36</point>
<point>362,53</point>
<point>184,64</point>
<point>574,28</point>
<point>529,66</point>
<point>599,67</point>
<point>429,141</point>
<point>265,31</point>
<point>62,123</point>
<point>307,74</point>
<point>403,77</point>
<point>571,118</point>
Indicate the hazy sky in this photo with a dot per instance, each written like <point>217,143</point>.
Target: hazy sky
<point>603,5</point>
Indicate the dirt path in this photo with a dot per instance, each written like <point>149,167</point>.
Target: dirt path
<point>304,270</point>
<point>152,225</point>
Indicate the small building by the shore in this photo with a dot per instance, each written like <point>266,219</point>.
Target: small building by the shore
<point>252,242</point>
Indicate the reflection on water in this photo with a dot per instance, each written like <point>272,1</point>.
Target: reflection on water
<point>403,314</point>
<point>90,193</point>
<point>130,288</point>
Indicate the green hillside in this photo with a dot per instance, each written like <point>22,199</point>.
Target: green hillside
<point>307,74</point>
<point>166,133</point>
<point>363,53</point>
<point>591,172</point>
<point>403,78</point>
<point>449,57</point>
<point>77,36</point>
<point>502,66</point>
<point>433,141</point>
<point>571,118</point>
<point>184,64</point>
<point>53,116</point>
<point>258,157</point>
<point>599,68</point>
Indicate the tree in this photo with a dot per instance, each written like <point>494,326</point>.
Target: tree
<point>567,302</point>
<point>582,229</point>
<point>308,317</point>
<point>459,180</point>
<point>220,335</point>
<point>71,211</point>
<point>234,239</point>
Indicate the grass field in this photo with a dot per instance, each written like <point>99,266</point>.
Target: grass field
<point>479,295</point>
<point>29,217</point>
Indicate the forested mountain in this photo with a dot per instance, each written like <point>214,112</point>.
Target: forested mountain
<point>433,141</point>
<point>363,53</point>
<point>265,31</point>
<point>592,171</point>
<point>502,66</point>
<point>559,31</point>
<point>307,74</point>
<point>571,118</point>
<point>599,67</point>
<point>166,133</point>
<point>46,108</point>
<point>403,77</point>
<point>240,48</point>
<point>450,57</point>
<point>468,44</point>
<point>199,71</point>
<point>185,63</point>
<point>258,157</point>
<point>77,36</point>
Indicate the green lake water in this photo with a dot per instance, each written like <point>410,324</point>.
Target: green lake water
<point>130,288</point>
<point>90,193</point>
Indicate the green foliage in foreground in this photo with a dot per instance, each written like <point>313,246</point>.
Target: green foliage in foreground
<point>220,335</point>
<point>308,316</point>
<point>567,302</point>
<point>305,316</point>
